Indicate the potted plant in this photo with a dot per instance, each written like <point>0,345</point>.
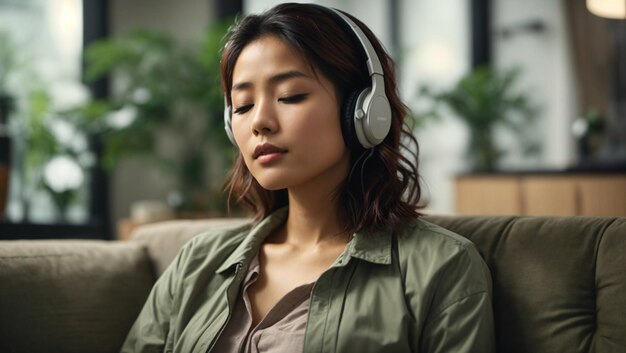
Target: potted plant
<point>162,90</point>
<point>485,100</point>
<point>34,133</point>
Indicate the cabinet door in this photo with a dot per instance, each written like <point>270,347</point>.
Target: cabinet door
<point>603,195</point>
<point>488,195</point>
<point>550,196</point>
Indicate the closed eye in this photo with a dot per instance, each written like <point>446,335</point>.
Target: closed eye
<point>293,99</point>
<point>242,109</point>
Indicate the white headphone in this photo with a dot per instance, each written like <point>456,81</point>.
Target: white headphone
<point>365,112</point>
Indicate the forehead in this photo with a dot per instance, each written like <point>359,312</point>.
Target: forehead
<point>267,55</point>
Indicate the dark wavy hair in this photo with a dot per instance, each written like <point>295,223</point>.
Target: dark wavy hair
<point>382,190</point>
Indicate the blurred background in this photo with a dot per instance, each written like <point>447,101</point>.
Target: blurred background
<point>111,110</point>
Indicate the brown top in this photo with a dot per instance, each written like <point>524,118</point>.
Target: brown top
<point>280,331</point>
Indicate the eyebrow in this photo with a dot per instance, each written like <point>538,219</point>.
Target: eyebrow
<point>283,76</point>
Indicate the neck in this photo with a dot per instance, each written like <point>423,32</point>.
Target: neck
<point>312,220</point>
<point>314,212</point>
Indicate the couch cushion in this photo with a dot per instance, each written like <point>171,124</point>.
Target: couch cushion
<point>69,295</point>
<point>559,283</point>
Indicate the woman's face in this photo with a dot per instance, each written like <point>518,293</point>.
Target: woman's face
<point>285,118</point>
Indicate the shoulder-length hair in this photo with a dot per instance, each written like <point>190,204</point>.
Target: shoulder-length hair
<point>382,190</point>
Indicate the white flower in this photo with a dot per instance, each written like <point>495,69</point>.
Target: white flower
<point>62,130</point>
<point>62,173</point>
<point>122,118</point>
<point>68,134</point>
<point>580,127</point>
<point>141,95</point>
<point>68,94</point>
<point>87,159</point>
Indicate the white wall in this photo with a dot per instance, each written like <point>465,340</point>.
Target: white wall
<point>436,47</point>
<point>186,20</point>
<point>547,75</point>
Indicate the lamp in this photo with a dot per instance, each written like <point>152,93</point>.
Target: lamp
<point>615,9</point>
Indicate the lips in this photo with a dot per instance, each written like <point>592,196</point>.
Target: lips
<point>265,149</point>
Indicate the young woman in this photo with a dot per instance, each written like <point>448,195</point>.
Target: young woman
<point>338,259</point>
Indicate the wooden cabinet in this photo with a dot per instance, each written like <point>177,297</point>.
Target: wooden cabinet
<point>488,195</point>
<point>542,194</point>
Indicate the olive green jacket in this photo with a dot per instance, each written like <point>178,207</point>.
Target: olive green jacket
<point>426,290</point>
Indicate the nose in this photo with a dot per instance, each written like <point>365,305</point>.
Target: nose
<point>264,121</point>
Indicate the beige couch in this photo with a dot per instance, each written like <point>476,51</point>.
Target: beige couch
<point>559,284</point>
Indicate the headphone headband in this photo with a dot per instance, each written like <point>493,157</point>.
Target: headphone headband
<point>373,63</point>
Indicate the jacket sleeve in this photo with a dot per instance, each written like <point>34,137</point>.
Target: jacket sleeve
<point>461,318</point>
<point>151,328</point>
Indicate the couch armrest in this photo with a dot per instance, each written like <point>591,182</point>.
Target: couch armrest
<point>70,295</point>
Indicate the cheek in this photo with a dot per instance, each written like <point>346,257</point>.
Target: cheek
<point>241,132</point>
<point>321,127</point>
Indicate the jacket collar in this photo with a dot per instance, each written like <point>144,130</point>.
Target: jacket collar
<point>252,242</point>
<point>372,247</point>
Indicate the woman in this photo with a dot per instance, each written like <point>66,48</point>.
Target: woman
<point>338,259</point>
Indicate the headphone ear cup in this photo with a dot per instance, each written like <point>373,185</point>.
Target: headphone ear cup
<point>347,120</point>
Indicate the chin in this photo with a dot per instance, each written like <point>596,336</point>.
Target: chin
<point>272,186</point>
<point>273,183</point>
<point>275,177</point>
